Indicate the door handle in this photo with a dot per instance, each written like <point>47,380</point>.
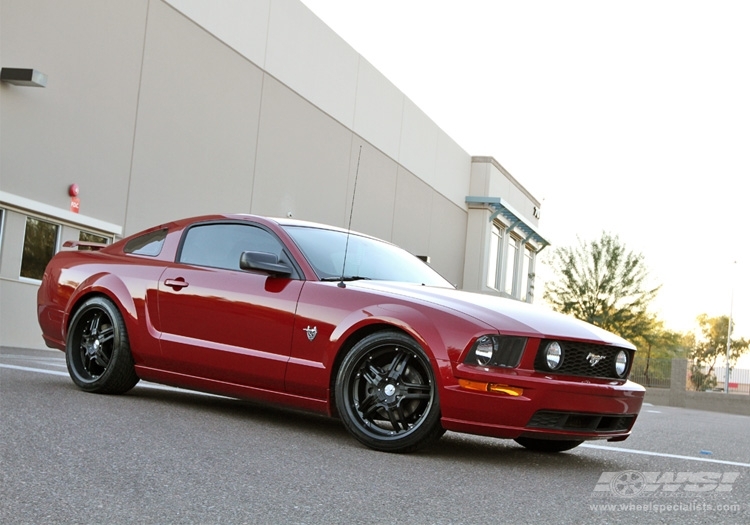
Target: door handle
<point>176,284</point>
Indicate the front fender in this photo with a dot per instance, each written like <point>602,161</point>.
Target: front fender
<point>330,320</point>
<point>403,317</point>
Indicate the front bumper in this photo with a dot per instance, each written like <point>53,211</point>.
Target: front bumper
<point>548,407</point>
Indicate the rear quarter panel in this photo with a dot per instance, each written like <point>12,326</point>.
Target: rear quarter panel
<point>129,281</point>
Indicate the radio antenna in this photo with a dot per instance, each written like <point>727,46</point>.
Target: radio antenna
<point>349,228</point>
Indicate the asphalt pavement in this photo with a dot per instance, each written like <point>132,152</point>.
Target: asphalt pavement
<point>167,456</point>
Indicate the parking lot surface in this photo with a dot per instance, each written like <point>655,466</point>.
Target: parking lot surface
<point>163,455</point>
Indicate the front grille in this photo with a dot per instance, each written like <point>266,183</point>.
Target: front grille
<point>572,421</point>
<point>578,358</point>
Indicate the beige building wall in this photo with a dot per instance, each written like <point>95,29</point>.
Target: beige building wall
<point>161,109</point>
<point>196,134</point>
<point>79,129</point>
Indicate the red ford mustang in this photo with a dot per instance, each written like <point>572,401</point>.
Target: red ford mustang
<point>315,318</point>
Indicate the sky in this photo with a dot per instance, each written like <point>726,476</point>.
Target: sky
<point>626,117</point>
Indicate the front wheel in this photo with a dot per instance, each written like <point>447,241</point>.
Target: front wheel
<point>387,395</point>
<point>547,445</point>
<point>97,349</point>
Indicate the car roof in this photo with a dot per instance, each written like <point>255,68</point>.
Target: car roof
<point>288,221</point>
<point>280,222</point>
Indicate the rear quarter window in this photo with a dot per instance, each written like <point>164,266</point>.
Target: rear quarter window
<point>149,244</point>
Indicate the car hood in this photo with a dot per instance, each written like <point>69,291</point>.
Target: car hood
<point>508,316</point>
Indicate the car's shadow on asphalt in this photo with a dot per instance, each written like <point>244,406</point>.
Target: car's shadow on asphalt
<point>506,452</point>
<point>452,446</point>
<point>252,411</point>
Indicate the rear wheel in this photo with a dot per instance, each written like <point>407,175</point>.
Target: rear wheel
<point>97,350</point>
<point>387,395</point>
<point>547,445</point>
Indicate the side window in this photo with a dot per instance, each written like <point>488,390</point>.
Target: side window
<point>220,245</point>
<point>149,244</point>
<point>39,245</point>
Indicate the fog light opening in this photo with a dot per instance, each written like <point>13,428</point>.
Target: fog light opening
<point>505,389</point>
<point>496,388</point>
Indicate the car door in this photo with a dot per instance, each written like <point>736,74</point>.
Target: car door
<point>223,323</point>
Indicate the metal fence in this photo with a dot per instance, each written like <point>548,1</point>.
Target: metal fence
<point>657,373</point>
<point>739,379</point>
<point>651,372</point>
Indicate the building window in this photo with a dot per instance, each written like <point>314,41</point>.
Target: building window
<point>526,277</point>
<point>39,245</point>
<point>493,267</point>
<point>2,225</point>
<point>510,265</point>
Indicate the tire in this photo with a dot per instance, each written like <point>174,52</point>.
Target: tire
<point>97,351</point>
<point>386,394</point>
<point>547,445</point>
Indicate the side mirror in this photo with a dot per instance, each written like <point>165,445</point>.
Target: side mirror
<point>264,262</point>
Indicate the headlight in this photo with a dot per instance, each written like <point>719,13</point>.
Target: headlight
<point>621,363</point>
<point>553,355</point>
<point>484,350</point>
<point>496,350</point>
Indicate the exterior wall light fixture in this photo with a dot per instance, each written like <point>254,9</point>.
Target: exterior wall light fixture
<point>23,77</point>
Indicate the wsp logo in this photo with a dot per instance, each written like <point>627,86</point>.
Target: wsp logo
<point>631,483</point>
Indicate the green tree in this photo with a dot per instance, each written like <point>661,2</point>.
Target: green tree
<point>709,346</point>
<point>658,342</point>
<point>656,345</point>
<point>603,283</point>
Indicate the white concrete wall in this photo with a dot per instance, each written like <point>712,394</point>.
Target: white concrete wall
<point>489,178</point>
<point>241,24</point>
<point>308,57</point>
<point>195,141</point>
<point>160,109</point>
<point>79,129</point>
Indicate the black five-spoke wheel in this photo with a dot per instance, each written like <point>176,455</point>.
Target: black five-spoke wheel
<point>386,393</point>
<point>98,353</point>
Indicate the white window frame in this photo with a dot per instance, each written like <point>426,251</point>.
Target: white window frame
<point>494,263</point>
<point>509,274</point>
<point>3,215</point>
<point>511,270</point>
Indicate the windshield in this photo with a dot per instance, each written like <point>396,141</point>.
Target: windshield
<point>366,258</point>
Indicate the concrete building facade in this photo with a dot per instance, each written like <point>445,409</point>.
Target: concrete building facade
<point>160,109</point>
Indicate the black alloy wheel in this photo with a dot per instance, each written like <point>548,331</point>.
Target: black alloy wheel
<point>387,395</point>
<point>97,350</point>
